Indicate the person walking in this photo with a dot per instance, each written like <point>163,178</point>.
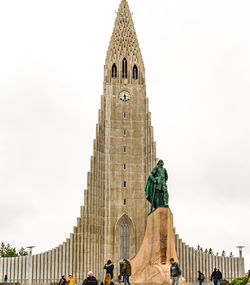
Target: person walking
<point>219,274</point>
<point>216,276</point>
<point>62,281</point>
<point>175,271</point>
<point>109,267</point>
<point>71,280</point>
<point>5,278</point>
<point>90,280</point>
<point>126,270</point>
<point>201,277</point>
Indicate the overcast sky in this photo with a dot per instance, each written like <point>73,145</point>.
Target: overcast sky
<point>197,60</point>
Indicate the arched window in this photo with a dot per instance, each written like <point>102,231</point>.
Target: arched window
<point>124,68</point>
<point>114,71</point>
<point>135,72</point>
<point>124,241</point>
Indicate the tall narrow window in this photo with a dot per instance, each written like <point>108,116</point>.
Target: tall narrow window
<point>135,72</point>
<point>124,132</point>
<point>124,240</point>
<point>124,184</point>
<point>124,68</point>
<point>124,115</point>
<point>124,149</point>
<point>124,166</point>
<point>114,71</point>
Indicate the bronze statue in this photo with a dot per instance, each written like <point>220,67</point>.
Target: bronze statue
<point>156,188</point>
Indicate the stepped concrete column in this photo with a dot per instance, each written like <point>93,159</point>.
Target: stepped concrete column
<point>232,269</point>
<point>237,268</point>
<point>38,271</point>
<point>200,261</point>
<point>223,266</point>
<point>177,245</point>
<point>195,265</point>
<point>60,261</point>
<point>184,260</point>
<point>204,263</point>
<point>45,267</point>
<point>49,268</point>
<point>191,263</point>
<point>5,266</point>
<point>9,267</point>
<point>53,255</point>
<point>56,264</point>
<point>71,254</point>
<point>180,254</point>
<point>16,269</point>
<point>209,266</point>
<point>64,258</point>
<point>1,269</point>
<point>187,276</point>
<point>33,274</point>
<point>23,269</point>
<point>220,263</point>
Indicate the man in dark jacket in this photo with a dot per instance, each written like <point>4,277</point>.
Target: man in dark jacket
<point>219,274</point>
<point>175,271</point>
<point>90,280</point>
<point>216,276</point>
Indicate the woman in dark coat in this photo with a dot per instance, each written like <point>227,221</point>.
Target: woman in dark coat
<point>109,267</point>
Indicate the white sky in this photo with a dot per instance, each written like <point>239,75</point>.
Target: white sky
<point>197,61</point>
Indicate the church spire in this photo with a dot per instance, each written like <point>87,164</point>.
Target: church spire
<point>124,43</point>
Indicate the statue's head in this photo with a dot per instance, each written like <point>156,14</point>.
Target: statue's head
<point>160,163</point>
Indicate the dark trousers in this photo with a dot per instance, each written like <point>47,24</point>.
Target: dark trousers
<point>126,279</point>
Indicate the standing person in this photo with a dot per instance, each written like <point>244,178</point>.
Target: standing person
<point>175,271</point>
<point>126,270</point>
<point>62,281</point>
<point>71,280</point>
<point>109,267</point>
<point>90,280</point>
<point>215,276</point>
<point>107,280</point>
<point>219,274</point>
<point>201,277</point>
<point>5,278</point>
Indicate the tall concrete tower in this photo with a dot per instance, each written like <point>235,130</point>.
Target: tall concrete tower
<point>129,148</point>
<point>113,219</point>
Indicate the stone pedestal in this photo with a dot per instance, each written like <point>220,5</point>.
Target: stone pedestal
<point>151,265</point>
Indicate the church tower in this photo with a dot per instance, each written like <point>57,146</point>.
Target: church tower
<point>113,218</point>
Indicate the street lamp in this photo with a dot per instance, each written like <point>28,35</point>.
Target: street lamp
<point>30,263</point>
<point>240,247</point>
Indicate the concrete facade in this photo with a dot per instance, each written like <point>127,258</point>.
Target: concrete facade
<point>115,209</point>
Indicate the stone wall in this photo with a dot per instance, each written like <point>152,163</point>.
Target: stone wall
<point>192,260</point>
<point>47,267</point>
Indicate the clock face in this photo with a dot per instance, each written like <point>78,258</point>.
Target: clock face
<point>124,96</point>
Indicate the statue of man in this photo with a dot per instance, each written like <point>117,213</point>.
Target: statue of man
<point>156,188</point>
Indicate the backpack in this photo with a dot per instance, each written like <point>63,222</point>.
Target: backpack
<point>203,276</point>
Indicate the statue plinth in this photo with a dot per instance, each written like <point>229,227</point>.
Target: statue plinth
<point>151,265</point>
